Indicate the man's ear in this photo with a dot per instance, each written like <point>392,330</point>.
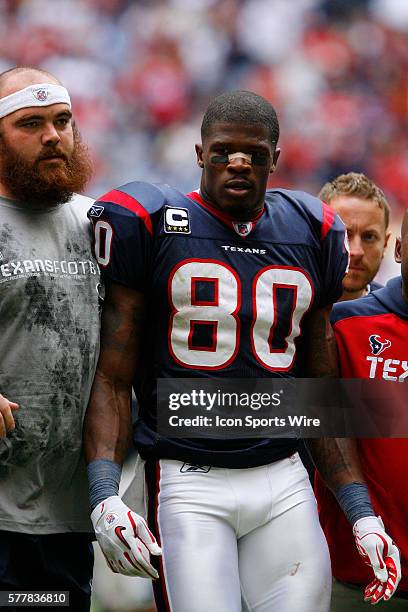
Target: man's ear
<point>387,237</point>
<point>275,160</point>
<point>397,250</point>
<point>199,153</point>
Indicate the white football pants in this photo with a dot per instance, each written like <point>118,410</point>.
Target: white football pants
<point>238,539</point>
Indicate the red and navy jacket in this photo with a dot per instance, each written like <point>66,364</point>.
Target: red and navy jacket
<point>371,335</point>
<point>225,298</point>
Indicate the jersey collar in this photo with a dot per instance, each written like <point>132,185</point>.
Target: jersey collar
<point>241,228</point>
<point>391,297</point>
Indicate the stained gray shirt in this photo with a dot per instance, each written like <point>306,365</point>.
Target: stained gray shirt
<point>49,331</point>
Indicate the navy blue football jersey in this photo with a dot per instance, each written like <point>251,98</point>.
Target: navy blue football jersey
<point>224,298</point>
<point>373,286</point>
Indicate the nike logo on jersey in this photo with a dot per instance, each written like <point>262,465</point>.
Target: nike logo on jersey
<point>193,467</point>
<point>235,249</point>
<point>388,369</point>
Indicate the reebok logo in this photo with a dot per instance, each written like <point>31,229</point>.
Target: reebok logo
<point>96,211</point>
<point>193,467</point>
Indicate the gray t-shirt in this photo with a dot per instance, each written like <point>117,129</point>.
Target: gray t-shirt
<point>49,335</point>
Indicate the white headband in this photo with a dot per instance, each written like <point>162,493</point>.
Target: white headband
<point>40,94</point>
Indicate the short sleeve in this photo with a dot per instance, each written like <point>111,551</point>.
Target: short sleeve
<point>335,256</point>
<point>123,235</point>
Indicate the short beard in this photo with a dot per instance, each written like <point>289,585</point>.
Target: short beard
<point>352,286</point>
<point>45,187</point>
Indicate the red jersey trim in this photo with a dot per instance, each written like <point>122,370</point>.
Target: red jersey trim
<point>123,199</point>
<point>328,220</point>
<point>194,195</point>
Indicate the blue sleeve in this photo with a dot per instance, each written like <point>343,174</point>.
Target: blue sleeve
<point>335,258</point>
<point>123,224</point>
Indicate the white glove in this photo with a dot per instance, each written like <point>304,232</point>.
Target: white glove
<point>124,538</point>
<point>378,550</point>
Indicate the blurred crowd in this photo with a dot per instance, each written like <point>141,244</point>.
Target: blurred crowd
<point>141,72</point>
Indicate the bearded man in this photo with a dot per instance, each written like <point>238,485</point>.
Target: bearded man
<point>49,326</point>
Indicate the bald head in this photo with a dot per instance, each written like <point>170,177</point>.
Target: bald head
<point>17,78</point>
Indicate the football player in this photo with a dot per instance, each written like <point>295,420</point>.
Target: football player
<point>226,281</point>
